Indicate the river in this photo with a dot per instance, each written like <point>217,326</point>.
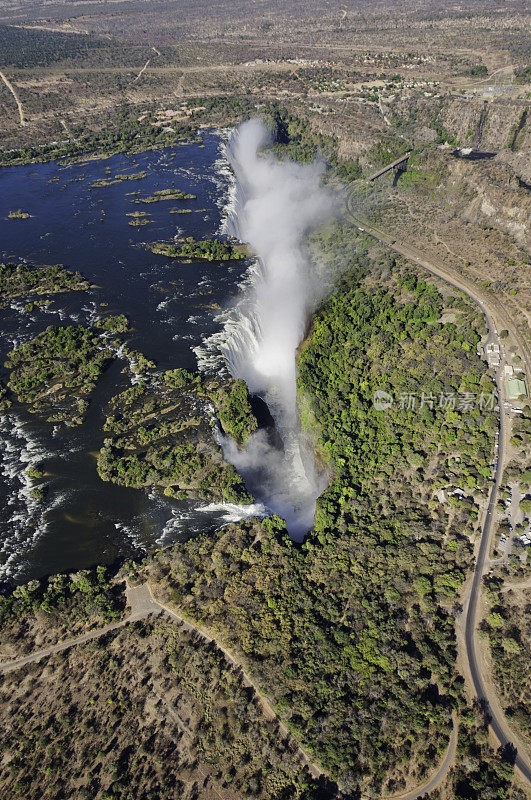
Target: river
<point>172,308</point>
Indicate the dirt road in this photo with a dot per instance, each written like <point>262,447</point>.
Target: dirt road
<point>437,778</point>
<point>141,607</point>
<point>17,99</point>
<point>144,604</point>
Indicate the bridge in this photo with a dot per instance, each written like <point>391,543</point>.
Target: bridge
<point>399,161</point>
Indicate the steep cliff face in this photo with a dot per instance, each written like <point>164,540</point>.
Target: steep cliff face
<point>519,161</point>
<point>501,118</point>
<point>489,193</point>
<point>493,125</point>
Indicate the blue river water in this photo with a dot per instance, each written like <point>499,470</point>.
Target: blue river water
<point>172,308</point>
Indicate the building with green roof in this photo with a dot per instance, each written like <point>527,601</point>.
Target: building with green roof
<point>515,388</point>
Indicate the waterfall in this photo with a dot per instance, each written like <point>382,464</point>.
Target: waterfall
<point>274,206</point>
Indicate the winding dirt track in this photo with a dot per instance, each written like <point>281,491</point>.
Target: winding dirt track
<point>143,604</point>
<point>442,771</point>
<point>17,99</point>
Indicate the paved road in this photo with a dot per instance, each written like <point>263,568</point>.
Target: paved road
<point>489,703</point>
<point>493,711</point>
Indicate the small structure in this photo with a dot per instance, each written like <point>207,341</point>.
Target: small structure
<point>515,388</point>
<point>493,354</point>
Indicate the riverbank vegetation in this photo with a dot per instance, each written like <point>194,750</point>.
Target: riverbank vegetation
<point>39,613</point>
<point>116,132</point>
<point>205,249</point>
<point>159,433</point>
<point>5,402</point>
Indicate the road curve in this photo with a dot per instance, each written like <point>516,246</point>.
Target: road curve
<point>438,776</point>
<point>491,707</point>
<point>267,709</point>
<point>420,791</point>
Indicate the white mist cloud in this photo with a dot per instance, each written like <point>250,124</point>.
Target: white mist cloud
<point>277,204</point>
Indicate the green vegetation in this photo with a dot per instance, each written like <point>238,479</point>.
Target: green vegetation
<point>166,194</point>
<point>510,649</point>
<point>5,402</point>
<point>429,367</point>
<point>42,611</point>
<point>292,136</point>
<point>424,175</point>
<point>138,218</point>
<point>19,214</point>
<point>295,139</point>
<point>133,176</point>
<point>478,70</point>
<point>479,773</point>
<point>161,435</point>
<point>36,472</point>
<point>114,323</point>
<point>442,134</point>
<point>21,279</point>
<point>234,411</point>
<point>122,133</point>
<point>386,149</point>
<point>352,632</point>
<point>228,734</point>
<point>326,632</point>
<point>54,372</point>
<point>192,249</point>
